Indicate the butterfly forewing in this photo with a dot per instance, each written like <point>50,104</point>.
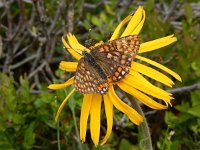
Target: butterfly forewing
<point>116,56</point>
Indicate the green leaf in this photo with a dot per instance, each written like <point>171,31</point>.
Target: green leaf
<point>173,120</point>
<point>183,108</point>
<point>150,5</point>
<point>5,143</point>
<point>126,145</point>
<point>195,98</point>
<point>29,136</point>
<point>188,13</point>
<point>2,124</point>
<point>195,110</point>
<point>18,118</point>
<point>195,66</point>
<point>96,21</point>
<point>7,92</point>
<point>24,90</point>
<point>174,145</point>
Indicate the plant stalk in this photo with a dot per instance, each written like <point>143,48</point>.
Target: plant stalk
<point>146,142</point>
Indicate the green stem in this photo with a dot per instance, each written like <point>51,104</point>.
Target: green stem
<point>58,135</point>
<point>72,108</point>
<point>76,128</point>
<point>163,147</point>
<point>58,127</point>
<point>146,142</point>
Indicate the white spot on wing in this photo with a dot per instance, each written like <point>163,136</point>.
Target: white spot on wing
<point>109,55</point>
<point>119,77</point>
<point>123,72</point>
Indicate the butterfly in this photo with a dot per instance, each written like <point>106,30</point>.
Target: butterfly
<point>104,63</point>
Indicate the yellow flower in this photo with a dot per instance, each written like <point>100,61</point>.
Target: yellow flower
<point>134,83</point>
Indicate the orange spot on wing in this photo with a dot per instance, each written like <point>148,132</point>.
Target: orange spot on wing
<point>116,74</point>
<point>123,61</point>
<point>114,78</point>
<point>119,69</point>
<point>99,88</point>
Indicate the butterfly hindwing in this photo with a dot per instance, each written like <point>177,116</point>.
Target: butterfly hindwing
<point>87,79</point>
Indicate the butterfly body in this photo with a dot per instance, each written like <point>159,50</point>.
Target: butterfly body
<point>91,61</point>
<point>106,62</point>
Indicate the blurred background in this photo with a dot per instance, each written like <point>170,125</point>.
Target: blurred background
<point>30,52</point>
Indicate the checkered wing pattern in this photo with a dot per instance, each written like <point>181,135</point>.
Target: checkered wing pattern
<point>88,80</point>
<point>115,57</point>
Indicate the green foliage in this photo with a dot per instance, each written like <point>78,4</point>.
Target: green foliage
<point>125,144</point>
<point>27,120</point>
<point>185,121</point>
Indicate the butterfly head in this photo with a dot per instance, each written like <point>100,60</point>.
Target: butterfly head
<point>84,53</point>
<point>88,57</point>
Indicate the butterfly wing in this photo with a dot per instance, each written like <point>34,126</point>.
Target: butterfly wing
<point>115,57</point>
<point>87,80</point>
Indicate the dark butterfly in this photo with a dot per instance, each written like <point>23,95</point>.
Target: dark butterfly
<point>108,61</point>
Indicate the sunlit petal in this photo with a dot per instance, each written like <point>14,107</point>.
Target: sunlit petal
<point>68,66</point>
<point>152,73</point>
<point>70,50</point>
<point>137,76</point>
<point>63,104</point>
<point>61,86</point>
<point>155,92</point>
<point>116,33</point>
<point>156,44</point>
<point>135,20</point>
<point>95,111</point>
<point>133,115</point>
<point>73,42</point>
<point>141,97</point>
<point>109,116</point>
<point>153,63</point>
<point>139,26</point>
<point>85,109</point>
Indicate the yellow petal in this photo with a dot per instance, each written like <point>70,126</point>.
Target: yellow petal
<point>139,26</point>
<point>109,116</point>
<point>95,111</point>
<point>158,43</point>
<point>134,22</point>
<point>85,109</point>
<point>117,30</point>
<point>152,73</point>
<point>133,115</point>
<point>146,88</point>
<point>68,66</point>
<point>61,86</point>
<point>63,104</point>
<point>141,97</point>
<point>70,50</point>
<point>153,63</point>
<point>73,42</point>
<point>137,76</point>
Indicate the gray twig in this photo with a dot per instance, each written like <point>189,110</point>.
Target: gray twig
<point>19,64</point>
<point>193,87</point>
